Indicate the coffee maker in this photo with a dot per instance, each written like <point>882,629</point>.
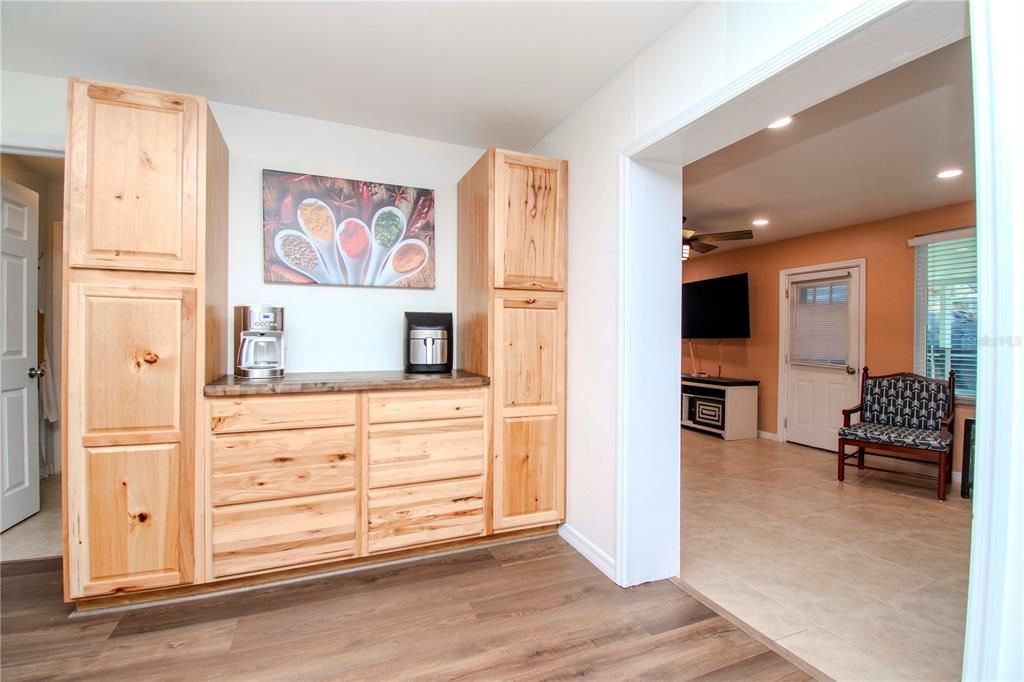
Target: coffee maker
<point>259,341</point>
<point>428,342</point>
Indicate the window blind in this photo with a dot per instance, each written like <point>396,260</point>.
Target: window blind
<point>946,311</point>
<point>819,322</point>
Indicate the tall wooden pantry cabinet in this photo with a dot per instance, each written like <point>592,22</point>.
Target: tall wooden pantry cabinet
<point>145,299</point>
<point>512,325</point>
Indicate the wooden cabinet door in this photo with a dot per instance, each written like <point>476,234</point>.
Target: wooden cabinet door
<point>529,410</point>
<point>131,425</point>
<point>132,524</point>
<point>530,222</point>
<point>132,178</point>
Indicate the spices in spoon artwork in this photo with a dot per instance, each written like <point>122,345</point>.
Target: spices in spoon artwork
<point>335,231</point>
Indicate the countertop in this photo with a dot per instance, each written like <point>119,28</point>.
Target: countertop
<point>718,381</point>
<point>338,382</point>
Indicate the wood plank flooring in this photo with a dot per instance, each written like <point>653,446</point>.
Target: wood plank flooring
<point>531,610</point>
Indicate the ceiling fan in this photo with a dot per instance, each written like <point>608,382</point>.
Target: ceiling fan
<point>701,243</point>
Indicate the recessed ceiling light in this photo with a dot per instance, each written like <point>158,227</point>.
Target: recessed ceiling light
<point>949,173</point>
<point>760,221</point>
<point>781,123</point>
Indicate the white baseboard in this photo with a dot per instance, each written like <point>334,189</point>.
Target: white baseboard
<point>589,550</point>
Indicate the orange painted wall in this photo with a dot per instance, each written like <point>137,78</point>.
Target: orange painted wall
<point>889,310</point>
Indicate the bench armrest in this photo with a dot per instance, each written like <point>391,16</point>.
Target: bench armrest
<point>851,411</point>
<point>947,423</point>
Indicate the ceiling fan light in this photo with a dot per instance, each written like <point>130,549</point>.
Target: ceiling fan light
<point>686,251</point>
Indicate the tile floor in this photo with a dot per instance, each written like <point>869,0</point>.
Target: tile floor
<point>39,535</point>
<point>865,579</point>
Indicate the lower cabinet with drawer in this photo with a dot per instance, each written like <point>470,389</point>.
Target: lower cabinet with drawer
<point>412,515</point>
<point>416,452</point>
<point>258,536</point>
<point>303,479</point>
<point>249,467</point>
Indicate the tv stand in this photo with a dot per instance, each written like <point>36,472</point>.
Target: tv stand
<point>727,407</point>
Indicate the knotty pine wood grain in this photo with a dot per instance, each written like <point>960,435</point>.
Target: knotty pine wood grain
<point>133,199</point>
<point>530,229</point>
<point>130,367</point>
<point>528,610</point>
<point>145,206</point>
<point>412,515</point>
<point>271,413</point>
<point>418,452</point>
<point>476,266</point>
<point>529,408</point>
<point>513,267</point>
<point>278,533</point>
<point>268,465</point>
<point>409,406</point>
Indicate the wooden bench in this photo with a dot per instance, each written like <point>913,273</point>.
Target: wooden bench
<point>902,416</point>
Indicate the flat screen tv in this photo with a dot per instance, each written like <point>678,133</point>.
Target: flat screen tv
<point>717,308</point>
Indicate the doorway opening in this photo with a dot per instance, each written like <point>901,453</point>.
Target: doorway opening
<point>33,208</point>
<point>768,533</point>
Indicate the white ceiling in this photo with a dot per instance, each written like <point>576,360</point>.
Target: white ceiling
<point>871,152</point>
<point>496,73</point>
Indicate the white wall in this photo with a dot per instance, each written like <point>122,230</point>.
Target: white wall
<point>32,111</point>
<point>649,366</point>
<point>593,134</point>
<point>336,328</point>
<point>713,45</point>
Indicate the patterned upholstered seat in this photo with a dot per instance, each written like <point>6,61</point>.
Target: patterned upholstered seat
<point>926,439</point>
<point>905,414</point>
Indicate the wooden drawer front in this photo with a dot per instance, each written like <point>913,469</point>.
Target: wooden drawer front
<point>266,535</point>
<point>249,467</point>
<point>413,515</point>
<point>269,413</point>
<point>417,452</point>
<point>405,406</point>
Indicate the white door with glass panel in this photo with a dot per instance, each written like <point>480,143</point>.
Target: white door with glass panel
<point>19,404</point>
<point>822,354</point>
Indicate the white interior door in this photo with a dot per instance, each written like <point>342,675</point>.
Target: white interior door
<point>19,405</point>
<point>823,354</point>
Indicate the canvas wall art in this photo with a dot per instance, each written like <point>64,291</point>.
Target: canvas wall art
<point>321,230</point>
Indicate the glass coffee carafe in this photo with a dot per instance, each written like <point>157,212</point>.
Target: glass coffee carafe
<point>259,344</point>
